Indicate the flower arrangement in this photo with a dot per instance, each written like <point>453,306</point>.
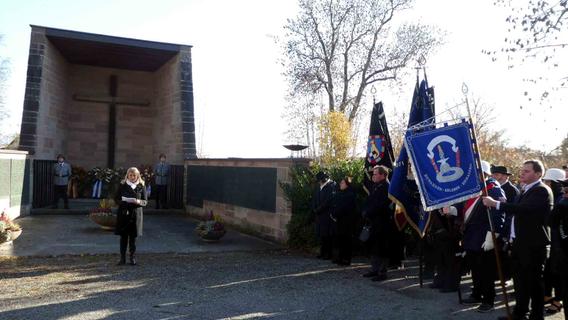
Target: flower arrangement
<point>212,228</point>
<point>147,173</point>
<point>105,181</point>
<point>8,229</point>
<point>103,215</point>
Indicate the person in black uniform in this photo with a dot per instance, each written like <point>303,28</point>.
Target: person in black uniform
<point>529,238</point>
<point>343,215</point>
<point>502,175</point>
<point>129,218</point>
<point>443,233</point>
<point>559,246</point>
<point>378,212</point>
<point>321,207</point>
<point>553,178</point>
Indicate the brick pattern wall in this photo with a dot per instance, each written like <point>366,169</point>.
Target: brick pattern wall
<point>270,225</point>
<point>88,125</point>
<point>44,118</point>
<point>53,122</point>
<point>167,127</point>
<point>53,101</point>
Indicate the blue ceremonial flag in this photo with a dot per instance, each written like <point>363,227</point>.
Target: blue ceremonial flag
<point>444,165</point>
<point>403,190</point>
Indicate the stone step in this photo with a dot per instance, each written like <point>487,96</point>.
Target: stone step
<point>47,211</point>
<point>84,206</point>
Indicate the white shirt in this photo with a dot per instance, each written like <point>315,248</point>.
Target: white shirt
<point>524,190</point>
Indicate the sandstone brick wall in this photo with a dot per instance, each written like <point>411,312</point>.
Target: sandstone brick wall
<point>51,127</point>
<point>167,137</point>
<point>270,225</point>
<point>88,125</point>
<point>53,122</point>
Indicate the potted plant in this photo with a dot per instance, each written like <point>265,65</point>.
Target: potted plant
<point>211,229</point>
<point>103,215</point>
<point>9,231</point>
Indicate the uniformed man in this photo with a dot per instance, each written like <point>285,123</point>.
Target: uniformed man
<point>161,172</point>
<point>61,173</point>
<point>478,242</point>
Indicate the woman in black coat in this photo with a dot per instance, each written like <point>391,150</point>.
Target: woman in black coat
<point>130,215</point>
<point>343,215</point>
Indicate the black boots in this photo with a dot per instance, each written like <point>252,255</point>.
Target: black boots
<point>123,260</point>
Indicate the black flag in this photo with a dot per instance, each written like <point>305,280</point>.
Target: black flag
<point>379,147</point>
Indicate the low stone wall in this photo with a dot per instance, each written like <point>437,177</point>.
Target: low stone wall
<point>245,192</point>
<point>15,182</point>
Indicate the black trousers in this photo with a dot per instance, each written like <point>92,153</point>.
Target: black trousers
<point>562,261</point>
<point>551,281</point>
<point>127,240</point>
<point>326,249</point>
<point>61,192</point>
<point>528,271</point>
<point>483,274</point>
<point>161,196</point>
<point>447,272</point>
<point>343,244</point>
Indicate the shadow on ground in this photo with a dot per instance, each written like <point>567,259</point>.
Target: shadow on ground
<point>231,285</point>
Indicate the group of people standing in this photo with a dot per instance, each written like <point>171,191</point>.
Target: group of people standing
<point>337,219</point>
<point>132,197</point>
<point>529,222</point>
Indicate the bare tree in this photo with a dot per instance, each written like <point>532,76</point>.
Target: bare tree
<point>536,31</point>
<point>337,48</point>
<point>5,138</point>
<point>302,116</point>
<point>3,77</point>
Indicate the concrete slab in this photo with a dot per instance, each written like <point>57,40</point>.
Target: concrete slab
<point>52,235</point>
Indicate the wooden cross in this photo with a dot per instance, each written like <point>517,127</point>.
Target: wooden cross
<point>113,100</point>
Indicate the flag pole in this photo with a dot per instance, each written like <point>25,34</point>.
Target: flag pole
<point>484,193</point>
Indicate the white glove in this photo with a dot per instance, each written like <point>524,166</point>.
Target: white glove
<point>488,244</point>
<point>450,211</point>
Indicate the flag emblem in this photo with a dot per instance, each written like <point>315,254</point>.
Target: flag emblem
<point>445,172</point>
<point>375,149</point>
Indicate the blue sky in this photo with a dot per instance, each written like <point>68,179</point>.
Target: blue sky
<point>239,89</point>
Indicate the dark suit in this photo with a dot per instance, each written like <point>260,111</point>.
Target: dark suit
<point>343,211</point>
<point>322,206</point>
<point>379,213</point>
<point>511,192</point>
<point>531,212</point>
<point>559,249</point>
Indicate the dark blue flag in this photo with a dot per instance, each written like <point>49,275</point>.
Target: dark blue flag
<point>403,190</point>
<point>379,148</point>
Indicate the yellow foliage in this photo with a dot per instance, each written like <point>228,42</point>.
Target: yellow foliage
<point>106,203</point>
<point>335,137</point>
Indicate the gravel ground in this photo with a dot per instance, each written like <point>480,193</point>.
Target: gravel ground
<point>234,285</point>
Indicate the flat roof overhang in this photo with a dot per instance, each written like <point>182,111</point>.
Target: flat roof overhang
<point>111,52</point>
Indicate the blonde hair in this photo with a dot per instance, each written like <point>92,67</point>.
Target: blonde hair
<point>136,172</point>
